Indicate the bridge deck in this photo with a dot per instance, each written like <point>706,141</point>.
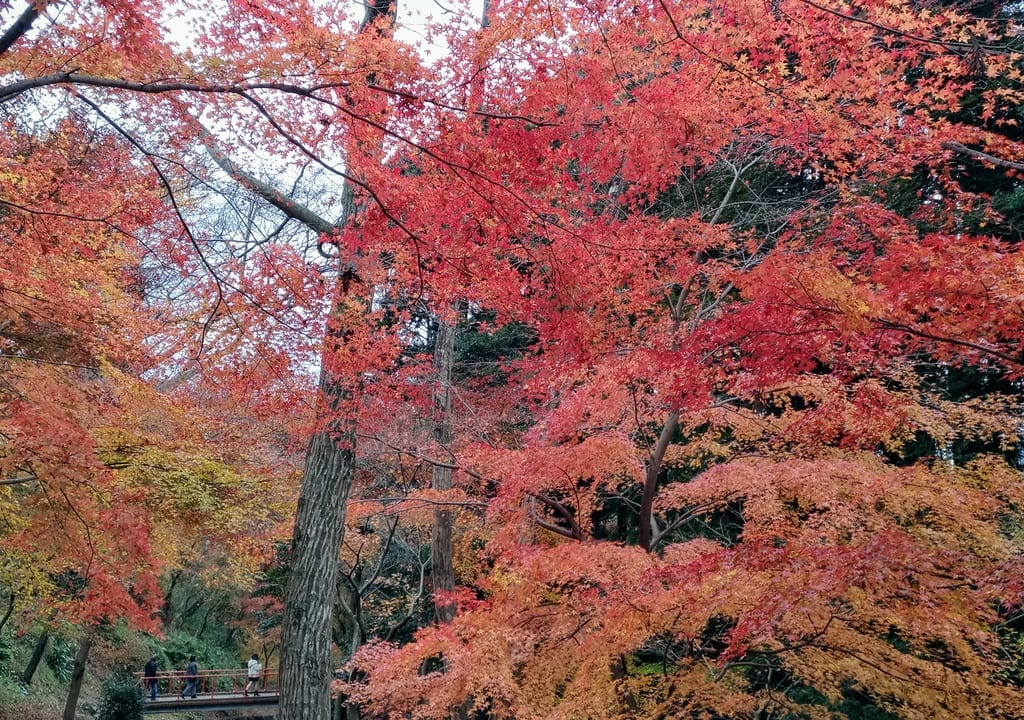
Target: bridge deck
<point>165,704</point>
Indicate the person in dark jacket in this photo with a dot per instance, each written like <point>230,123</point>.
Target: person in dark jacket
<point>191,678</point>
<point>149,676</point>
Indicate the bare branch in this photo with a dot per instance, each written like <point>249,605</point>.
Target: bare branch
<point>982,156</point>
<point>272,195</point>
<point>18,479</point>
<point>574,530</point>
<point>381,556</point>
<point>690,514</point>
<point>40,361</point>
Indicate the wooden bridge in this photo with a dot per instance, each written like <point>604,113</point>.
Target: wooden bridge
<point>215,690</point>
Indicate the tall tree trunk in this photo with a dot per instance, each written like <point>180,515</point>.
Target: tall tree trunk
<point>37,655</point>
<point>326,479</point>
<point>319,530</point>
<point>76,677</point>
<point>165,607</point>
<point>442,568</point>
<point>305,667</point>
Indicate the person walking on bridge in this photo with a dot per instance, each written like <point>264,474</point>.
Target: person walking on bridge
<point>191,678</point>
<point>149,676</point>
<point>253,676</point>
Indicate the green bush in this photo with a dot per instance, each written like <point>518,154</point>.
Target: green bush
<point>121,698</point>
<point>6,649</point>
<point>60,658</point>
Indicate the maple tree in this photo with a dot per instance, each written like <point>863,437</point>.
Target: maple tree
<point>104,483</point>
<point>67,322</point>
<point>777,313</point>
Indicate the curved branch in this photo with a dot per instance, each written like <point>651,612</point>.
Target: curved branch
<point>888,30</point>
<point>159,87</point>
<point>574,530</point>
<point>1014,359</point>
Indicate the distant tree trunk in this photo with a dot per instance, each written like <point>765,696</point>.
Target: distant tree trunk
<point>202,627</point>
<point>442,567</point>
<point>165,607</point>
<point>37,655</point>
<point>10,609</point>
<point>76,677</point>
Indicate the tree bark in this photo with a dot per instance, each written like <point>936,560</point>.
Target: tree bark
<point>37,655</point>
<point>648,530</point>
<point>311,593</point>
<point>22,25</point>
<point>77,674</point>
<point>442,568</point>
<point>319,530</point>
<point>166,607</point>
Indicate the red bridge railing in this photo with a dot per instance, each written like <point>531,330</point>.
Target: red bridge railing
<point>210,683</point>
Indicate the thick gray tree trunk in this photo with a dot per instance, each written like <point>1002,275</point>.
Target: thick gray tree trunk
<point>306,671</point>
<point>77,674</point>
<point>305,667</point>
<point>310,597</point>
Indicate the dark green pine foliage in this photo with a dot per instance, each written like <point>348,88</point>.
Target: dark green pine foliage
<point>121,699</point>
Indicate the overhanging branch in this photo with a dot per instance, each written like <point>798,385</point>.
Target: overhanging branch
<point>962,149</point>
<point>22,24</point>
<point>272,195</point>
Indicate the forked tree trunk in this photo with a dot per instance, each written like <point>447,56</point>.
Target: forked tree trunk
<point>37,655</point>
<point>442,568</point>
<point>77,674</point>
<point>648,530</point>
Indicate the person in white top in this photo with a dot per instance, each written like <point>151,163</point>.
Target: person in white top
<point>253,676</point>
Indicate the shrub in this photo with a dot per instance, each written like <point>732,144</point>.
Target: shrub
<point>121,698</point>
<point>60,658</point>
